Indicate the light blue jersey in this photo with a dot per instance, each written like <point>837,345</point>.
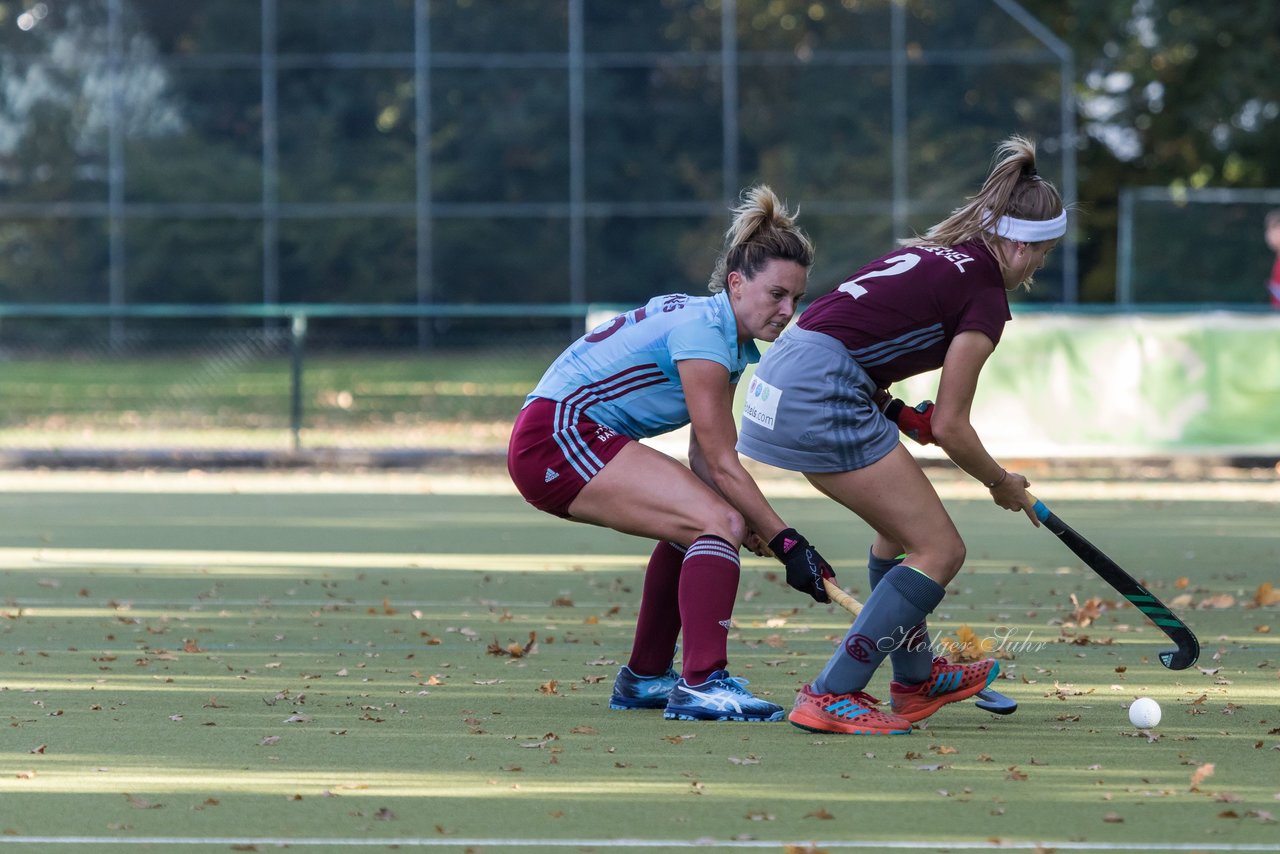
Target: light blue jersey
<point>623,373</point>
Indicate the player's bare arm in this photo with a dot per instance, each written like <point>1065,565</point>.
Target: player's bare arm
<point>754,543</point>
<point>953,430</point>
<point>709,397</point>
<point>713,444</point>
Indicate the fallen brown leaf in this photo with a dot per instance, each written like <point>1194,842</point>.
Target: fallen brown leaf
<point>141,804</point>
<point>1266,595</point>
<point>1201,774</point>
<point>515,649</point>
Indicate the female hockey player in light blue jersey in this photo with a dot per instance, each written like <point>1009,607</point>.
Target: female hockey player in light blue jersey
<point>672,362</point>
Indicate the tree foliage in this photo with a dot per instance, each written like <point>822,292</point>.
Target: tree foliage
<point>1169,93</point>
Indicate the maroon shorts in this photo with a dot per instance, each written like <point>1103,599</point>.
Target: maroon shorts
<point>555,450</point>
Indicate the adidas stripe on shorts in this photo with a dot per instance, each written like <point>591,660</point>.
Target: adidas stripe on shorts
<point>555,450</point>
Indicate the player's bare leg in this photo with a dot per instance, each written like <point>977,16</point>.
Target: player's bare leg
<point>898,501</point>
<point>644,492</point>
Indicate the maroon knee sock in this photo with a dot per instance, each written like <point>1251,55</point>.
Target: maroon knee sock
<point>708,587</point>
<point>658,625</point>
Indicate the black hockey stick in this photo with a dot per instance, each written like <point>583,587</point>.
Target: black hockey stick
<point>1188,647</point>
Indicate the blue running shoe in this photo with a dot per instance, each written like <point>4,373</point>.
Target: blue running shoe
<point>641,692</point>
<point>721,698</point>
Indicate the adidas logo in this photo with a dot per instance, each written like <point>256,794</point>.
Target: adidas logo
<point>551,475</point>
<point>728,624</point>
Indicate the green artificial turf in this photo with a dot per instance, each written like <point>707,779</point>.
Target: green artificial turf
<point>256,669</point>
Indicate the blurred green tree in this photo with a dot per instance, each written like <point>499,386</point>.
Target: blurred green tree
<point>1170,94</point>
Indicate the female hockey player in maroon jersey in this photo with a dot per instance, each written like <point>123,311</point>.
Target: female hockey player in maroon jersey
<point>939,301</point>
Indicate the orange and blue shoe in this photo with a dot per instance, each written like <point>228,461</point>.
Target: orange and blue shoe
<point>847,714</point>
<point>946,684</point>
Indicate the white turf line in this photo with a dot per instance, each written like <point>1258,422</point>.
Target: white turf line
<point>436,842</point>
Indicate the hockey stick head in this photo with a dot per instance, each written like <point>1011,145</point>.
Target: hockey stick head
<point>1183,656</point>
<point>1188,649</point>
<point>993,701</point>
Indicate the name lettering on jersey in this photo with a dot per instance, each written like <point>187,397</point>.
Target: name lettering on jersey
<point>674,302</point>
<point>957,258</point>
<point>761,405</point>
<point>604,434</point>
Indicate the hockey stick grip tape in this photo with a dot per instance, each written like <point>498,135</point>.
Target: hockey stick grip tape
<point>1039,508</point>
<point>844,600</point>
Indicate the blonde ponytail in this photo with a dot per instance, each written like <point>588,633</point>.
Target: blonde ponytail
<point>762,229</point>
<point>1012,189</point>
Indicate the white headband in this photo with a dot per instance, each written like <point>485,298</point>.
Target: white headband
<point>1027,230</point>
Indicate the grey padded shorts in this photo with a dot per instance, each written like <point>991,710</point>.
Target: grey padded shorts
<point>810,408</point>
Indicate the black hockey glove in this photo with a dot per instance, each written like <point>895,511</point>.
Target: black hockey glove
<point>805,567</point>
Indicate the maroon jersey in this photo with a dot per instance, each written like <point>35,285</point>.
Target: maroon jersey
<point>898,314</point>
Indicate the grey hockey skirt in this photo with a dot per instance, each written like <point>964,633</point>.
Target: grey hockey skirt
<point>810,408</point>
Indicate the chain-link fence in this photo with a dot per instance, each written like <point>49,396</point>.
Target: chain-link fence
<point>540,151</point>
<point>430,155</point>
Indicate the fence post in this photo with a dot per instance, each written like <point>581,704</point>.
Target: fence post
<point>297,338</point>
<point>1124,248</point>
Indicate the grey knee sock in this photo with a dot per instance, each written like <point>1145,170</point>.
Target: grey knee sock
<point>902,599</point>
<point>912,660</point>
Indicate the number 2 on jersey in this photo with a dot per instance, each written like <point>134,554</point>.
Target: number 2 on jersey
<point>898,265</point>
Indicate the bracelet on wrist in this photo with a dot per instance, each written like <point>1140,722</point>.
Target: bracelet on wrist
<point>993,484</point>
